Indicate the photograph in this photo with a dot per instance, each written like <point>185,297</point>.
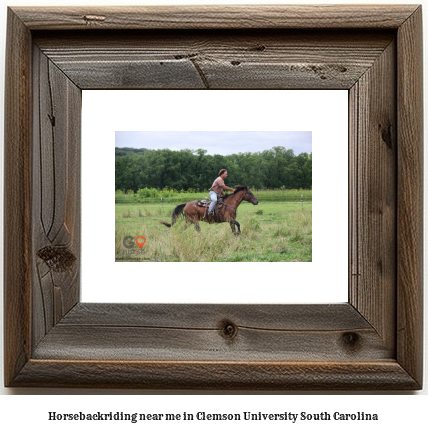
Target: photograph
<point>174,188</point>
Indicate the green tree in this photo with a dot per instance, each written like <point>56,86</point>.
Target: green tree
<point>186,169</point>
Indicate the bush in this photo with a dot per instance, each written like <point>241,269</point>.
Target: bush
<point>147,192</point>
<point>143,192</point>
<point>167,192</point>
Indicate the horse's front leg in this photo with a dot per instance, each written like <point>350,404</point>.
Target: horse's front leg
<point>239,227</point>
<point>234,223</point>
<point>232,226</point>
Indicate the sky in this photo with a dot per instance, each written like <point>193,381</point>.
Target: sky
<point>216,142</point>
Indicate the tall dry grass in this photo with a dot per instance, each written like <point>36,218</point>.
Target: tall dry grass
<point>279,233</point>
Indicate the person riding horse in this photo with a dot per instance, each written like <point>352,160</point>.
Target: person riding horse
<point>217,189</point>
<point>195,211</point>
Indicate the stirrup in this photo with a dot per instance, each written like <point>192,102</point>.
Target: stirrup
<point>210,213</point>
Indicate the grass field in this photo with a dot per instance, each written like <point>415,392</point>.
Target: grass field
<point>271,232</point>
<point>174,197</point>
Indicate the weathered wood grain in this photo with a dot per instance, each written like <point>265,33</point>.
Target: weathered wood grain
<point>199,332</point>
<point>384,375</point>
<point>216,17</point>
<point>209,316</point>
<point>373,178</point>
<point>56,194</point>
<point>216,60</point>
<point>410,196</point>
<point>17,199</point>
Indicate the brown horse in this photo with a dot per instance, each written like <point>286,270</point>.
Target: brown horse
<point>227,213</point>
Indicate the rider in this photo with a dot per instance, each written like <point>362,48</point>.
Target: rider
<point>217,189</point>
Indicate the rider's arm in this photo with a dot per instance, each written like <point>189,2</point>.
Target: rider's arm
<point>228,188</point>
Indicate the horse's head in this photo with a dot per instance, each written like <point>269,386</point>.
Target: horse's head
<point>249,196</point>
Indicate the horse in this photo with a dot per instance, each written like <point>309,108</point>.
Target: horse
<point>227,213</point>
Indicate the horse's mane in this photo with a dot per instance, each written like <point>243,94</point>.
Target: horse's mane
<point>238,188</point>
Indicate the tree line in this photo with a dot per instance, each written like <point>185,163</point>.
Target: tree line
<point>188,169</point>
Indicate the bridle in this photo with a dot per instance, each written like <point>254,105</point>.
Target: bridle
<point>248,200</point>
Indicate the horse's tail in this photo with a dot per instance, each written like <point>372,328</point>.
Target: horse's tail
<point>176,213</point>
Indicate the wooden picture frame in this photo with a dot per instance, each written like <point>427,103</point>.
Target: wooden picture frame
<point>372,342</point>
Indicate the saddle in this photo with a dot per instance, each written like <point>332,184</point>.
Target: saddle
<point>206,203</point>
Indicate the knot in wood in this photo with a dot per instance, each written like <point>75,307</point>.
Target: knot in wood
<point>228,330</point>
<point>58,259</point>
<point>351,340</point>
<point>89,18</point>
<point>386,134</point>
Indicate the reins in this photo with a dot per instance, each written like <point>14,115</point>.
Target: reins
<point>224,203</point>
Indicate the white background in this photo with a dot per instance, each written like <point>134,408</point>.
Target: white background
<point>325,113</point>
<point>399,412</point>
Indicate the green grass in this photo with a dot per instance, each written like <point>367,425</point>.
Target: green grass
<point>270,232</point>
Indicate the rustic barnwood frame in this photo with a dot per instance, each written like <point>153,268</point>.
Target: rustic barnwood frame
<point>372,342</point>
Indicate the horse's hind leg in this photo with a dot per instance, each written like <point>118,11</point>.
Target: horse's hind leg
<point>195,222</point>
<point>186,222</point>
<point>193,217</point>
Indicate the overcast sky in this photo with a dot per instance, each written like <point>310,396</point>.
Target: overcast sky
<point>216,142</point>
